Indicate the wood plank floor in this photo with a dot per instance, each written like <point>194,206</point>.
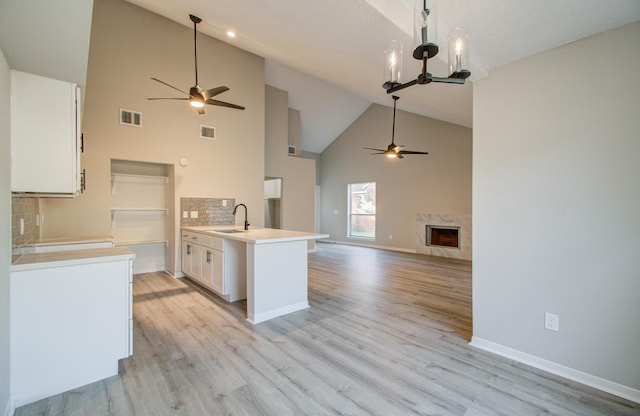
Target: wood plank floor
<point>386,334</point>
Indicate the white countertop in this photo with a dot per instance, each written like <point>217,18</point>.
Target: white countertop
<point>255,235</point>
<point>70,258</point>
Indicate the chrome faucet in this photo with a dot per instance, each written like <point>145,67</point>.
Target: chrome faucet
<point>246,223</point>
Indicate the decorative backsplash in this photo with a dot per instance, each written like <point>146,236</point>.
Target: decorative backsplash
<point>28,209</point>
<point>211,211</point>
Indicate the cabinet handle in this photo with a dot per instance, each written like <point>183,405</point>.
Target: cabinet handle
<point>188,249</point>
<point>83,181</point>
<point>208,256</point>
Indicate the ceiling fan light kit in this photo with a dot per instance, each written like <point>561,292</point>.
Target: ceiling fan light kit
<point>394,151</point>
<point>198,97</point>
<point>425,28</point>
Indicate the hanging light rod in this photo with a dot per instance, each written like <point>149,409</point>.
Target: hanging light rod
<point>424,29</point>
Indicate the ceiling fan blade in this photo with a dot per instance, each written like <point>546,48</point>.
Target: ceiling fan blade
<point>224,104</point>
<point>169,85</point>
<point>377,150</point>
<point>411,152</point>
<point>214,91</point>
<point>181,99</point>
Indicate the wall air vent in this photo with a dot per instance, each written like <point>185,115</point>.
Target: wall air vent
<point>207,132</point>
<point>291,151</point>
<point>130,117</point>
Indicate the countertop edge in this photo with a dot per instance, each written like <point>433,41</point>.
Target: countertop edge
<point>36,261</point>
<point>251,238</point>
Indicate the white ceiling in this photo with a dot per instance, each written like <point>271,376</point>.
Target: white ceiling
<point>328,53</point>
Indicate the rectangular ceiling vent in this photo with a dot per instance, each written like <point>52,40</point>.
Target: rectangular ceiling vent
<point>130,117</point>
<point>207,132</point>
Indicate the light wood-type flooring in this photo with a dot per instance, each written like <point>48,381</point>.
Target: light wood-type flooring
<point>386,335</point>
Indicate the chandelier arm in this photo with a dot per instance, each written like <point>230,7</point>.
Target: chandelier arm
<point>402,86</point>
<point>447,80</point>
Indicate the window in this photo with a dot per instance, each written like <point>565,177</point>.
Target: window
<point>362,210</point>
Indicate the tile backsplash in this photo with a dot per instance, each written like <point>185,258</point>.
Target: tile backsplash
<point>211,211</point>
<point>26,209</point>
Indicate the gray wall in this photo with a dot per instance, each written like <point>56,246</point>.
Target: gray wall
<point>128,46</point>
<point>556,205</point>
<point>297,173</point>
<point>5,232</point>
<point>436,183</point>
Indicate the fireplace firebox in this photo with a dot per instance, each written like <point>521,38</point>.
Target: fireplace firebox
<point>443,236</point>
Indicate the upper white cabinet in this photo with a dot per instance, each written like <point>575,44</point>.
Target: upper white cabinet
<point>45,136</point>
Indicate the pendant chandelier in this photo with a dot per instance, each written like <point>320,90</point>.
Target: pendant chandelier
<point>425,29</point>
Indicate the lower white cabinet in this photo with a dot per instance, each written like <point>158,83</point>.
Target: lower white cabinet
<point>216,263</point>
<point>71,320</point>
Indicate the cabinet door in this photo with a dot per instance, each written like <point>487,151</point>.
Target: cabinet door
<point>218,272</point>
<point>44,135</point>
<point>207,266</point>
<point>197,254</point>
<point>187,256</point>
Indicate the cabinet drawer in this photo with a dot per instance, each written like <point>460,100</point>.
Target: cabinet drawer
<point>215,243</point>
<point>191,237</point>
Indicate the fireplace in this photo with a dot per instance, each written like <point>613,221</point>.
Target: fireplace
<point>443,236</point>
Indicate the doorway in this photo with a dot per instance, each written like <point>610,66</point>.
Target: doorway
<point>272,202</point>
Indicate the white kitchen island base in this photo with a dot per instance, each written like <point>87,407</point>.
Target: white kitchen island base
<point>276,279</point>
<point>276,266</point>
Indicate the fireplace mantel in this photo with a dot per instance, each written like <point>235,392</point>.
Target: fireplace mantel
<point>458,221</point>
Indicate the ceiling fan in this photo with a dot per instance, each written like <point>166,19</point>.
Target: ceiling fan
<point>394,150</point>
<point>198,97</point>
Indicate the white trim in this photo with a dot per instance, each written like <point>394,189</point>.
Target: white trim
<point>558,369</point>
<point>353,243</point>
<point>274,313</point>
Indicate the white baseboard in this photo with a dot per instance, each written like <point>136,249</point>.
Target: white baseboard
<point>558,369</point>
<point>355,243</point>
<point>265,316</point>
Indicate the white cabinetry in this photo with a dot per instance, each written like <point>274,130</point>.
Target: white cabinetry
<point>45,136</point>
<point>215,263</point>
<point>71,320</point>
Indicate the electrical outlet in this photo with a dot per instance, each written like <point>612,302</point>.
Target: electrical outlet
<point>194,214</point>
<point>390,237</point>
<point>551,322</point>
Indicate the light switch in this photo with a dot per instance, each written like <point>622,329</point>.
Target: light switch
<point>224,202</point>
<point>185,214</point>
<point>194,214</point>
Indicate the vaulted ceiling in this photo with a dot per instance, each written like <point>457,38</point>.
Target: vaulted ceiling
<point>329,54</point>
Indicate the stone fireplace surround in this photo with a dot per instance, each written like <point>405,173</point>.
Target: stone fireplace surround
<point>449,220</point>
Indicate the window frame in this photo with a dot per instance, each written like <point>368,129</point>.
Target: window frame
<point>350,214</point>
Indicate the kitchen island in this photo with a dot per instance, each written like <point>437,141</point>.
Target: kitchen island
<point>275,267</point>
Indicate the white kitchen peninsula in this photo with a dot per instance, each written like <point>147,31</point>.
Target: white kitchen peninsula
<point>71,319</point>
<point>276,268</point>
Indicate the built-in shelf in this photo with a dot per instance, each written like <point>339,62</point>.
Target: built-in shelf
<point>142,242</point>
<point>128,177</point>
<point>163,210</point>
<point>139,211</point>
